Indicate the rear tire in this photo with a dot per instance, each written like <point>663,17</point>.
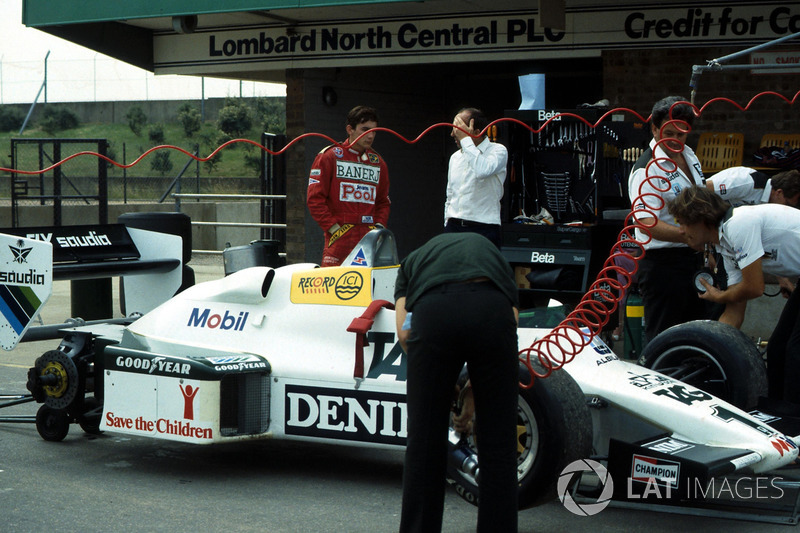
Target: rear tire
<point>714,357</point>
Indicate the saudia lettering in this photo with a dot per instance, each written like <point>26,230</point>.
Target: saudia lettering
<point>204,319</point>
<point>74,241</point>
<point>26,278</point>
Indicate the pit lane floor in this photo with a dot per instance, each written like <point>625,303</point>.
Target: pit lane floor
<point>114,483</point>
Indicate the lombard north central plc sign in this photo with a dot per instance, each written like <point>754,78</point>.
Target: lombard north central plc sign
<point>469,37</point>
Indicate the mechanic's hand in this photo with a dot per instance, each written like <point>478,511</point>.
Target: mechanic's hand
<point>462,422</point>
<point>461,125</point>
<point>786,285</point>
<point>712,293</point>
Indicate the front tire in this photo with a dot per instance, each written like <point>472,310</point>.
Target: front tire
<point>714,357</point>
<point>554,429</point>
<point>52,424</point>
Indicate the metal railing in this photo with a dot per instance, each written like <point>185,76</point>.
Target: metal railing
<point>202,196</point>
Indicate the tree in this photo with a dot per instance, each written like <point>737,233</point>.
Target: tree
<point>189,118</point>
<point>155,132</point>
<point>235,118</point>
<point>271,113</point>
<point>11,118</point>
<point>161,162</point>
<point>55,119</point>
<point>136,119</point>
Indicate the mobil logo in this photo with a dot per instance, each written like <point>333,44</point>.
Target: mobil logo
<point>206,318</point>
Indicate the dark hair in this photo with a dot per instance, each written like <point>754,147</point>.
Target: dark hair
<point>788,181</point>
<point>697,204</point>
<point>480,120</point>
<point>360,114</point>
<point>666,109</point>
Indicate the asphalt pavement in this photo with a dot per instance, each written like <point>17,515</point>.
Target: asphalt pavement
<point>120,484</point>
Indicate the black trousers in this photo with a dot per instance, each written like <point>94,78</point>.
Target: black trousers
<point>783,353</point>
<point>667,289</point>
<point>492,232</point>
<point>453,324</point>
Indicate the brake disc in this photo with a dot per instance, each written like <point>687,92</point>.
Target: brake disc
<point>57,376</point>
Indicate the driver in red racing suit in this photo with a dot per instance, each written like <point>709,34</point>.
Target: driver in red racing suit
<point>348,188</point>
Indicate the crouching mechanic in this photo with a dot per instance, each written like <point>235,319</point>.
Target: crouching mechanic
<point>753,240</point>
<point>747,186</point>
<point>348,188</point>
<point>461,298</point>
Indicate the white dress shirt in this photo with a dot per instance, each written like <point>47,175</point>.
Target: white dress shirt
<point>475,179</point>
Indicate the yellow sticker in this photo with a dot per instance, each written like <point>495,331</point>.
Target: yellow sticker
<point>332,286</point>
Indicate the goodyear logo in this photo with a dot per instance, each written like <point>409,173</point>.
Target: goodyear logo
<point>333,286</point>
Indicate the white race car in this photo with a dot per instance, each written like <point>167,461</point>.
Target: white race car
<point>310,354</point>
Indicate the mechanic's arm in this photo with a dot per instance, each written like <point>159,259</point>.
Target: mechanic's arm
<point>663,231</point>
<point>735,297</point>
<point>484,165</point>
<point>400,318</point>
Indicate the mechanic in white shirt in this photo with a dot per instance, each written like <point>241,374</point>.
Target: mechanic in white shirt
<point>753,240</point>
<point>747,186</point>
<point>475,178</point>
<point>668,265</point>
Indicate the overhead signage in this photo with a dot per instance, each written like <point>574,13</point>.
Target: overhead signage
<point>786,61</point>
<point>470,37</point>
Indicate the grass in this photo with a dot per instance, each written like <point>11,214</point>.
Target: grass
<point>232,163</point>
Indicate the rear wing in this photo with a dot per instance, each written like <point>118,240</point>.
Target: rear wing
<point>26,282</point>
<point>149,261</point>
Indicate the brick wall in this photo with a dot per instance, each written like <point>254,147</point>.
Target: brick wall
<point>637,78</point>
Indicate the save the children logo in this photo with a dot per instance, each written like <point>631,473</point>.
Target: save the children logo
<point>188,401</point>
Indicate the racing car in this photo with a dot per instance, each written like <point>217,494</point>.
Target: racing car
<point>305,353</point>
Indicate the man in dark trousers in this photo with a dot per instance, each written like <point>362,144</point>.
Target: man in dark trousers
<point>668,265</point>
<point>461,299</point>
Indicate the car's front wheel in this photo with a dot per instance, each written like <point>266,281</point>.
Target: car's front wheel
<point>554,428</point>
<point>714,357</point>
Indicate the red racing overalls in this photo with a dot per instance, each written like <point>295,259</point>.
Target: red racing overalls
<point>349,189</point>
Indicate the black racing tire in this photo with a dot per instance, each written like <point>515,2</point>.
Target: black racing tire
<point>555,429</point>
<point>714,357</point>
<point>92,415</point>
<point>164,222</point>
<point>187,278</point>
<point>52,424</point>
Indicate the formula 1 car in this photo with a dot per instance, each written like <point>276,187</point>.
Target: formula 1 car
<point>310,354</point>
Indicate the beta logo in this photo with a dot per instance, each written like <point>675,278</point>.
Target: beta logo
<point>547,115</point>
<point>226,321</point>
<point>542,257</point>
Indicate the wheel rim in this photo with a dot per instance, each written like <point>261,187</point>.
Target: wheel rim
<point>527,438</point>
<point>694,366</point>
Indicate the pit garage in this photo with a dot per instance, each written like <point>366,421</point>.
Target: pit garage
<point>419,62</point>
